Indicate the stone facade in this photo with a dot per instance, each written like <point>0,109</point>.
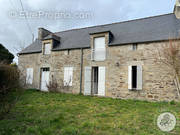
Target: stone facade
<point>157,82</point>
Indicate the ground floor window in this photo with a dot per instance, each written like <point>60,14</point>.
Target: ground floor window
<point>68,76</point>
<point>29,76</point>
<point>135,77</point>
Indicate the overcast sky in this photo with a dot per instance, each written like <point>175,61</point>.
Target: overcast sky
<point>14,31</point>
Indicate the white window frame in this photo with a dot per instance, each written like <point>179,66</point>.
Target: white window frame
<point>99,52</point>
<point>29,75</point>
<point>47,48</point>
<point>68,76</point>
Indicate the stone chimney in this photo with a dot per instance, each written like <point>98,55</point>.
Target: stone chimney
<point>42,33</point>
<point>177,9</point>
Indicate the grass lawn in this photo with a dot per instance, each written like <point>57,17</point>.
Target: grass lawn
<point>38,113</point>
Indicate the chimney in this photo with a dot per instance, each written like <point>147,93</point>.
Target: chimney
<point>42,33</point>
<point>177,9</point>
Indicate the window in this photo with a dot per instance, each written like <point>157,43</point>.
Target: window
<point>99,49</point>
<point>45,69</point>
<point>66,52</point>
<point>68,76</point>
<point>134,47</point>
<point>135,77</point>
<point>29,76</point>
<point>47,48</point>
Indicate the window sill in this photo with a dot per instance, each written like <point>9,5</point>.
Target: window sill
<point>135,89</point>
<point>67,86</point>
<point>98,60</point>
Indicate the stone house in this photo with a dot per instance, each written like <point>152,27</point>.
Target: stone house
<point>112,60</point>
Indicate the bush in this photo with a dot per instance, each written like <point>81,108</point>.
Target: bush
<point>9,78</point>
<point>9,81</point>
<point>172,102</point>
<point>53,85</point>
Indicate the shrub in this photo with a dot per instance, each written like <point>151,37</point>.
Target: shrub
<point>9,78</point>
<point>53,85</point>
<point>172,102</point>
<point>9,81</point>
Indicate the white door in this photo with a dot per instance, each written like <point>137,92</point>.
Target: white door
<point>87,81</point>
<point>129,77</point>
<point>44,79</point>
<point>101,81</point>
<point>139,77</point>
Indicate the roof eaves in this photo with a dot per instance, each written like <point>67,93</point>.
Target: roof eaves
<point>21,53</point>
<point>99,32</point>
<point>61,49</point>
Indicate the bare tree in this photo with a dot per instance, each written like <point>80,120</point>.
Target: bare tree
<point>169,55</point>
<point>53,85</point>
<point>21,46</point>
<point>60,86</point>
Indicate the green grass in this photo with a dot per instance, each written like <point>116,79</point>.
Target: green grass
<point>38,113</point>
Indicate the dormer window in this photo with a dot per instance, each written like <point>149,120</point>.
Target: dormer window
<point>99,49</point>
<point>99,43</point>
<point>49,42</point>
<point>47,48</point>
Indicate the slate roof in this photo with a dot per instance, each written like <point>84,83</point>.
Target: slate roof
<point>35,47</point>
<point>157,28</point>
<point>52,36</point>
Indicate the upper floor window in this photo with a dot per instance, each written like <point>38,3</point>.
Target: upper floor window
<point>134,47</point>
<point>47,48</point>
<point>99,49</point>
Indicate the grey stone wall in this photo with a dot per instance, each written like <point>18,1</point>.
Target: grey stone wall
<point>57,60</point>
<point>157,82</point>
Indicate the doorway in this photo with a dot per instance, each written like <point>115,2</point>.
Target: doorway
<point>44,79</point>
<point>95,80</point>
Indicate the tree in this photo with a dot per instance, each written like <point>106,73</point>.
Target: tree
<point>169,55</point>
<point>5,55</point>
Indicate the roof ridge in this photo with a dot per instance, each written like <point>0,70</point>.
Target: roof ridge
<point>114,23</point>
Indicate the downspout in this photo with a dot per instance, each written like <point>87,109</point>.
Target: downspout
<point>81,70</point>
